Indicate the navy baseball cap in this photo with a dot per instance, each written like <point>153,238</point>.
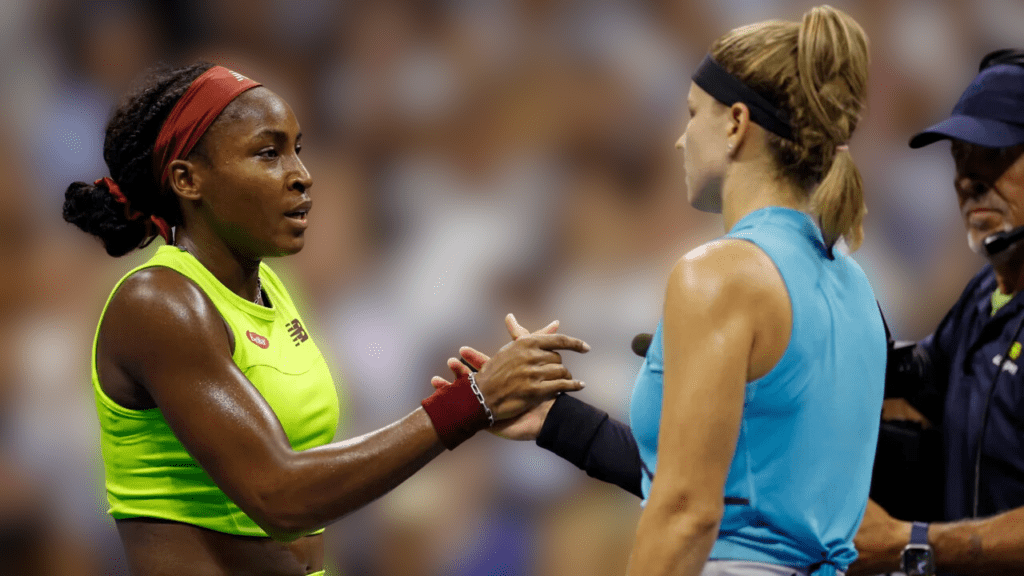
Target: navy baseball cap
<point>990,112</point>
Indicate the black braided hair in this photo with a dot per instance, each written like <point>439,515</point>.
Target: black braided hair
<point>128,152</point>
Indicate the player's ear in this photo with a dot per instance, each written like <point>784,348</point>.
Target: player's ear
<point>184,179</point>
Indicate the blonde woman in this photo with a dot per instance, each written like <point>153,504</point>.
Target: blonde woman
<point>755,415</point>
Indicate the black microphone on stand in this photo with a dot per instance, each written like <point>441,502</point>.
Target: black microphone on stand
<point>1000,241</point>
<point>641,342</point>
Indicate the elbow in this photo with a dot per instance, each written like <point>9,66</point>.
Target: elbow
<point>282,525</point>
<point>689,517</point>
<point>696,526</point>
<point>276,509</point>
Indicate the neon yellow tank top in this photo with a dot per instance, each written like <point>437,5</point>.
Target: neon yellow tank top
<point>148,471</point>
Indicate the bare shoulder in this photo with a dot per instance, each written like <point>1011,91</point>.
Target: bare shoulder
<point>726,273</point>
<point>732,290</point>
<point>163,296</point>
<point>157,310</point>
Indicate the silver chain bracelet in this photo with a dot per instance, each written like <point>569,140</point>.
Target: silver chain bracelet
<point>480,397</point>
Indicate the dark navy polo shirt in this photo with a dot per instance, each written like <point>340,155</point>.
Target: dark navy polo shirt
<point>959,364</point>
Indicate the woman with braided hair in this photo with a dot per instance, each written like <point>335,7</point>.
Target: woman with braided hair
<point>755,415</point>
<point>216,408</point>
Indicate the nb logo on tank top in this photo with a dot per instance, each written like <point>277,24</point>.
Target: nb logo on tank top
<point>258,340</point>
<point>297,332</point>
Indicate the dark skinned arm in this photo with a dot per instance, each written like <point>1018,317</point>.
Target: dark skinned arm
<point>161,332</point>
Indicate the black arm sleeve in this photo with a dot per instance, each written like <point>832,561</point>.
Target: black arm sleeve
<point>586,436</point>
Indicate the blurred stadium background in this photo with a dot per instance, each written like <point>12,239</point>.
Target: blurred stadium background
<point>470,158</point>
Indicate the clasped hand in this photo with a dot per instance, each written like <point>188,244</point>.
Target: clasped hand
<point>520,382</point>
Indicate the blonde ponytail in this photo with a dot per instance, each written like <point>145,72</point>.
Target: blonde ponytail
<point>839,202</point>
<point>817,72</point>
<point>832,64</point>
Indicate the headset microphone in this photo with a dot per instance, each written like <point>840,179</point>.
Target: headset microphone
<point>641,342</point>
<point>1000,241</point>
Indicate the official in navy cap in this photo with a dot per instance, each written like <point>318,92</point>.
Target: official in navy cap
<point>990,112</point>
<point>967,377</point>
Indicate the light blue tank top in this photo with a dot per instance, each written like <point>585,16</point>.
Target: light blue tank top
<point>798,483</point>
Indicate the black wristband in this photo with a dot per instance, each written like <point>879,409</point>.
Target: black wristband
<point>592,441</point>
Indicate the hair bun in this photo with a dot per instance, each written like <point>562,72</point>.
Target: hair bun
<point>94,210</point>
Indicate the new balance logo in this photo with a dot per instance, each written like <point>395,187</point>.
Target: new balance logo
<point>238,76</point>
<point>297,332</point>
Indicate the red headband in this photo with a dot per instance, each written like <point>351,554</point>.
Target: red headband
<point>198,107</point>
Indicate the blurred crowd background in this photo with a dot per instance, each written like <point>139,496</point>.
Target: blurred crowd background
<point>470,158</point>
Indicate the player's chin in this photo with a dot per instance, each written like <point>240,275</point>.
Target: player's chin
<point>291,244</point>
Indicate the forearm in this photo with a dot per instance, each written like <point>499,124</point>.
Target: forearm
<point>989,546</point>
<point>670,542</point>
<point>588,438</point>
<point>318,486</point>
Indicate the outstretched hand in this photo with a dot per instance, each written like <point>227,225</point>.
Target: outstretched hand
<point>525,426</point>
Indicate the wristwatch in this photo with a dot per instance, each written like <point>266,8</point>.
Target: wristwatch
<point>917,558</point>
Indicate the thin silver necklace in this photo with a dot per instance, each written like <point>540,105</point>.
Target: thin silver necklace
<point>259,284</point>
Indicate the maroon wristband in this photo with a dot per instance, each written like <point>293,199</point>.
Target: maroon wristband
<point>457,412</point>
